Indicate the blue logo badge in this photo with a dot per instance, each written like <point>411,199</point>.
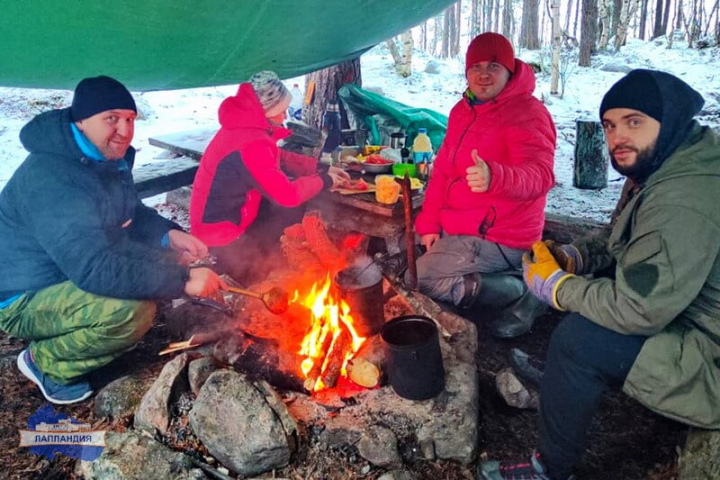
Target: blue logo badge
<point>50,433</point>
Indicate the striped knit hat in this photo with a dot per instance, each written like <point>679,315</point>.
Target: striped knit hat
<point>272,93</point>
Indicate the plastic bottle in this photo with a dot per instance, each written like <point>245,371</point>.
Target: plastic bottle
<point>296,104</point>
<point>331,126</point>
<point>422,148</point>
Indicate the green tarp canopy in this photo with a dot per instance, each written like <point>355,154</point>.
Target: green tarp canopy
<point>169,44</point>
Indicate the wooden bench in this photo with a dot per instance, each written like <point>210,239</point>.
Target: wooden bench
<point>164,175</point>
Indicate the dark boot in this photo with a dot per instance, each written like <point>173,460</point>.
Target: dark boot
<point>526,367</point>
<point>518,318</point>
<point>491,290</point>
<point>396,266</point>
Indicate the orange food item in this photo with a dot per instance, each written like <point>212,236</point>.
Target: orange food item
<point>358,185</point>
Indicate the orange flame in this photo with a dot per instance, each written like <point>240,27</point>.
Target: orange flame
<point>329,317</point>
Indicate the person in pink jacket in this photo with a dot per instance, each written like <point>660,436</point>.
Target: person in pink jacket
<point>485,202</point>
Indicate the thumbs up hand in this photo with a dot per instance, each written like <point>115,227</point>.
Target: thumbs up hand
<point>478,176</point>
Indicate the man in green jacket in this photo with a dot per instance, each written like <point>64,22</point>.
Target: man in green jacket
<point>652,326</point>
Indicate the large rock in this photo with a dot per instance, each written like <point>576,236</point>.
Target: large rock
<point>119,397</point>
<point>242,424</point>
<point>199,370</point>
<point>701,456</point>
<point>154,410</point>
<point>378,445</point>
<point>131,455</point>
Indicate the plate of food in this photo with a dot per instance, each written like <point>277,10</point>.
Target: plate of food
<point>349,187</point>
<point>376,164</point>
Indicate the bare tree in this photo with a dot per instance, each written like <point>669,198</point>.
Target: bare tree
<point>628,11</point>
<point>643,19</point>
<point>666,17</point>
<point>497,16</point>
<point>507,19</point>
<point>556,42</point>
<point>577,16</point>
<point>605,27</point>
<point>657,26</point>
<point>568,15</point>
<point>403,61</point>
<point>326,83</point>
<point>588,31</point>
<point>455,30</point>
<point>529,26</point>
<point>714,11</point>
<point>474,18</point>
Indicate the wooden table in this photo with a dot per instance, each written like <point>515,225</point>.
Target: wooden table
<point>358,212</point>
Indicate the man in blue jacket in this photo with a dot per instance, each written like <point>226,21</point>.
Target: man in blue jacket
<point>83,258</point>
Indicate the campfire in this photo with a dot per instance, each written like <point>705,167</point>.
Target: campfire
<point>332,339</point>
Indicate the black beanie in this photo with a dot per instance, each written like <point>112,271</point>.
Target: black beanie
<point>638,91</point>
<point>98,94</point>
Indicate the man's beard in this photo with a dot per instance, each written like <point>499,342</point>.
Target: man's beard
<point>644,163</point>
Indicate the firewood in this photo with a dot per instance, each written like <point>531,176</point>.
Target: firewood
<point>299,255</point>
<point>363,373</point>
<point>320,243</point>
<point>316,370</point>
<point>335,359</point>
<point>366,366</point>
<point>295,231</point>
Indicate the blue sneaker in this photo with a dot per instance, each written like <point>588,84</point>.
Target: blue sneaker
<point>53,392</point>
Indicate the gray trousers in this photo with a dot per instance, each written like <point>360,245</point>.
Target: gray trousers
<point>441,269</point>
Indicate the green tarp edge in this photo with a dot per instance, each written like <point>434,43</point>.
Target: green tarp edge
<point>169,44</point>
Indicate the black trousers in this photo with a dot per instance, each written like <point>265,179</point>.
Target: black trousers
<point>583,361</point>
<point>257,251</point>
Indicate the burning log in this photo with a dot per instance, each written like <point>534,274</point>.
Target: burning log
<point>366,367</point>
<point>260,358</point>
<point>336,358</point>
<point>319,359</point>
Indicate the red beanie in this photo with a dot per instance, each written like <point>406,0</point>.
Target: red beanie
<point>490,47</point>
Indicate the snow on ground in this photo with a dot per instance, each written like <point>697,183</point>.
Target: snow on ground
<point>178,110</point>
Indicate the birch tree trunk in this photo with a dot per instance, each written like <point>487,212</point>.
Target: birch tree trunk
<point>629,9</point>
<point>529,27</point>
<point>402,61</point>
<point>604,24</point>
<point>497,16</point>
<point>327,82</point>
<point>507,19</point>
<point>423,36</point>
<point>455,22</point>
<point>588,31</point>
<point>557,40</point>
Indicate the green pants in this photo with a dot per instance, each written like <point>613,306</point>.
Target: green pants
<point>74,332</point>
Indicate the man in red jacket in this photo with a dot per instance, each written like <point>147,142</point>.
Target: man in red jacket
<point>247,189</point>
<point>485,202</point>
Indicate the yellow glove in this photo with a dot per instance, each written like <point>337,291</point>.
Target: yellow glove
<point>543,274</point>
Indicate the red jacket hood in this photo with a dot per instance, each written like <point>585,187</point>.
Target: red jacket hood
<point>244,110</point>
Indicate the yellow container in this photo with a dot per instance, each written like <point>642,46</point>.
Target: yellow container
<point>387,190</point>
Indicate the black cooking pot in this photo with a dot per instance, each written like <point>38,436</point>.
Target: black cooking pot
<point>414,361</point>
